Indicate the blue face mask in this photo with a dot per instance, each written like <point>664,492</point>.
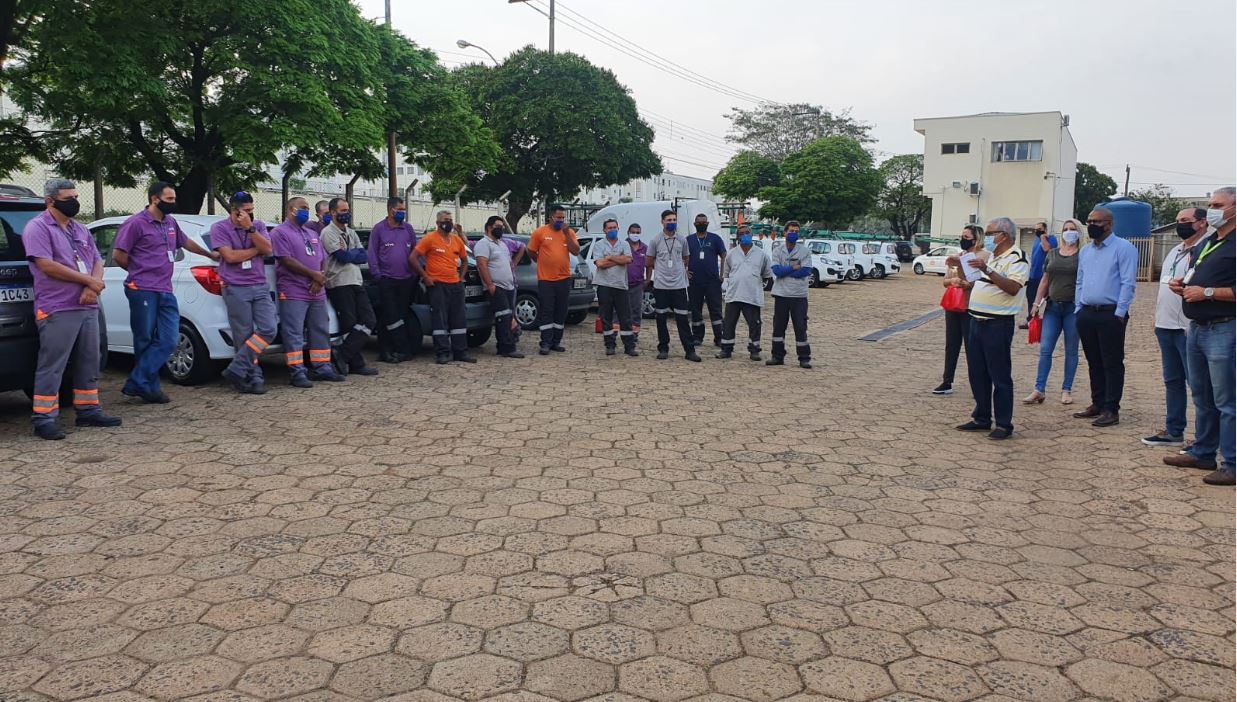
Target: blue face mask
<point>745,240</point>
<point>989,243</point>
<point>672,226</point>
<point>612,234</point>
<point>326,218</point>
<point>400,216</point>
<point>344,218</point>
<point>792,237</point>
<point>301,216</point>
<point>558,224</point>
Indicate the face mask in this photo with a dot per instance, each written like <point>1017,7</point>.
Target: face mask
<point>446,227</point>
<point>702,226</point>
<point>166,208</point>
<point>68,208</point>
<point>399,216</point>
<point>612,234</point>
<point>1096,231</point>
<point>792,237</point>
<point>558,224</point>
<point>344,218</point>
<point>326,218</point>
<point>672,227</point>
<point>1038,234</point>
<point>1070,236</point>
<point>745,240</point>
<point>966,244</point>
<point>633,237</point>
<point>1185,230</point>
<point>1215,217</point>
<point>301,216</point>
<point>990,243</point>
<point>497,231</point>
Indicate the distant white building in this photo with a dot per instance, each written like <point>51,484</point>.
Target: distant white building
<point>998,164</point>
<point>666,186</point>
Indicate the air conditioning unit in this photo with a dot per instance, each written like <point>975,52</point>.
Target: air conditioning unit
<point>972,219</point>
<point>957,184</point>
<point>974,189</point>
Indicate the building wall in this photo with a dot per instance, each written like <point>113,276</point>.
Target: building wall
<point>666,186</point>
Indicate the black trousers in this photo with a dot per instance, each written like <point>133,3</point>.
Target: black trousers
<point>356,318</point>
<point>699,294</point>
<point>1032,289</point>
<point>957,325</point>
<point>502,304</point>
<point>1102,334</point>
<point>751,315</point>
<point>990,370</point>
<point>396,298</point>
<point>666,303</point>
<point>613,303</point>
<point>447,317</point>
<point>552,296</point>
<point>793,310</point>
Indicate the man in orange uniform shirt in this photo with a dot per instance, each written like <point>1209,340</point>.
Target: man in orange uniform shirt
<point>552,246</point>
<point>446,262</point>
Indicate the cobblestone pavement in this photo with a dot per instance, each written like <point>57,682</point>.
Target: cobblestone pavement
<point>582,527</point>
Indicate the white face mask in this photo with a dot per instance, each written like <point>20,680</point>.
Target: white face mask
<point>1070,236</point>
<point>633,237</point>
<point>1215,217</point>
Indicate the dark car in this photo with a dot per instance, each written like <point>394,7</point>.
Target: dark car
<point>527,305</point>
<point>906,252</point>
<point>19,337</point>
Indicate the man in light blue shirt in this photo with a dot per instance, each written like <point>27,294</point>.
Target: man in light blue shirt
<point>1102,298</point>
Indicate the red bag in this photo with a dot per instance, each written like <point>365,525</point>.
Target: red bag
<point>954,300</point>
<point>1034,329</point>
<point>597,325</point>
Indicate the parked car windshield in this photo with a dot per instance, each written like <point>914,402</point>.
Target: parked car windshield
<point>14,222</point>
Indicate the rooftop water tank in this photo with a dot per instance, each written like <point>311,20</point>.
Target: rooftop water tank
<point>1130,218</point>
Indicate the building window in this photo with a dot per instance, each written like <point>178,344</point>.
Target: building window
<point>956,148</point>
<point>1018,151</point>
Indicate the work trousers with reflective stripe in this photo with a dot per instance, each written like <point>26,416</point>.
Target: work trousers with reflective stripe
<point>502,305</point>
<point>356,319</point>
<point>396,299</point>
<point>154,318</point>
<point>751,315</point>
<point>448,319</point>
<point>611,303</point>
<point>552,297</point>
<point>793,310</point>
<point>251,317</point>
<point>666,303</point>
<point>59,334</point>
<point>299,319</point>
<point>701,294</point>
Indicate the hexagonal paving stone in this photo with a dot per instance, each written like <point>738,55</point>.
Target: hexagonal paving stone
<point>284,677</point>
<point>570,612</point>
<point>846,679</point>
<point>699,644</point>
<point>783,644</point>
<point>681,587</point>
<point>178,680</point>
<point>490,611</point>
<point>1115,681</point>
<point>475,677</point>
<point>614,643</point>
<point>350,643</point>
<point>1034,647</point>
<point>871,645</point>
<point>379,676</point>
<point>651,613</point>
<point>527,641</point>
<point>569,678</point>
<point>952,645</point>
<point>262,643</point>
<point>407,612</point>
<point>96,676</point>
<point>1027,681</point>
<point>440,642</point>
<point>937,679</point>
<point>662,679</point>
<point>755,679</point>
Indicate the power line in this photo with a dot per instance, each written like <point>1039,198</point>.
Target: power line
<point>695,130</point>
<point>679,131</point>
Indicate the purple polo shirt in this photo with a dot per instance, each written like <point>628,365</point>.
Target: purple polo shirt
<point>389,249</point>
<point>225,233</point>
<point>635,269</point>
<point>152,247</point>
<point>289,240</point>
<point>43,238</point>
<point>315,227</point>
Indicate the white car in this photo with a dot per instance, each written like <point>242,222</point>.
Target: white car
<point>827,267</point>
<point>934,260</point>
<point>205,339</point>
<point>876,260</point>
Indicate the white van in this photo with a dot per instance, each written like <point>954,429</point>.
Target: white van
<point>830,264</point>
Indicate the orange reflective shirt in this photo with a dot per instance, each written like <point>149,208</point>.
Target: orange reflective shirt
<point>442,256</point>
<point>553,258</point>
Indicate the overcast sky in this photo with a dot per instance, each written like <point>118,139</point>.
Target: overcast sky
<point>1145,82</point>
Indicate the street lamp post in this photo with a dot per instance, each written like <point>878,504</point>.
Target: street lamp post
<point>392,186</point>
<point>464,45</point>
<point>551,16</point>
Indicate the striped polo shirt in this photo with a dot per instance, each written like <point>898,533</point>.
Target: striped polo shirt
<point>987,300</point>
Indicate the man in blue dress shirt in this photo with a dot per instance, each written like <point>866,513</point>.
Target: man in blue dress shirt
<point>1102,298</point>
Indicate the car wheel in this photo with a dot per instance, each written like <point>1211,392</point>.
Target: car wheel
<point>859,274</point>
<point>918,269</point>
<point>815,279</point>
<point>577,316</point>
<point>478,337</point>
<point>190,362</point>
<point>878,272</point>
<point>648,305</point>
<point>853,274</point>
<point>526,311</point>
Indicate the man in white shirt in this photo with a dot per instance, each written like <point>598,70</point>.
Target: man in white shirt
<point>743,275</point>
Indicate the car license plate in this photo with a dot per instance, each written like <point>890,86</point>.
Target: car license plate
<point>473,290</point>
<point>16,293</point>
<point>580,283</point>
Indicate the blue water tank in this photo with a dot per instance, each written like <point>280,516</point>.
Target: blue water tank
<point>1130,218</point>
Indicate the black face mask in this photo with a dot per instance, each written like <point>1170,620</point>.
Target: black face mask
<point>68,208</point>
<point>1185,230</point>
<point>497,231</point>
<point>966,244</point>
<point>344,218</point>
<point>1096,231</point>
<point>166,208</point>
<point>702,226</point>
<point>446,227</point>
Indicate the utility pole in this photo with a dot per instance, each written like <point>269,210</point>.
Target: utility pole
<point>1127,181</point>
<point>551,26</point>
<point>392,187</point>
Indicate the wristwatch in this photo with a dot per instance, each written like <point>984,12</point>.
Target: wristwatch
<point>1209,293</point>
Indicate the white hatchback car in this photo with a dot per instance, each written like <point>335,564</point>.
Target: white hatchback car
<point>934,260</point>
<point>205,339</point>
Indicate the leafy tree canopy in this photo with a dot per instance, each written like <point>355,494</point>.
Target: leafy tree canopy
<point>776,131</point>
<point>901,201</point>
<point>744,175</point>
<point>830,182</point>
<point>1090,187</point>
<point>1164,205</point>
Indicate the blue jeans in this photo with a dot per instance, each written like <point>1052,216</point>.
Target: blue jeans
<point>1058,317</point>
<point>990,369</point>
<point>1212,379</point>
<point>1173,362</point>
<point>155,320</point>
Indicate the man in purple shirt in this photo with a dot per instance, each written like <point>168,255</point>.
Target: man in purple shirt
<point>390,247</point>
<point>243,245</point>
<point>68,277</point>
<point>146,247</point>
<point>323,211</point>
<point>635,277</point>
<point>299,259</point>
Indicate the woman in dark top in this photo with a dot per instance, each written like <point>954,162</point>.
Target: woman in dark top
<point>1054,303</point>
<point>957,323</point>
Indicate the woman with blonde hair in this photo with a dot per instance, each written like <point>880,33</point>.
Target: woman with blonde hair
<point>1054,305</point>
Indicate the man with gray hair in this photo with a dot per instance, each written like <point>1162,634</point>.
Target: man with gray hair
<point>995,302</point>
<point>68,277</point>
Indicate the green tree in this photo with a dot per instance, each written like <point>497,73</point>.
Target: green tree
<point>563,124</point>
<point>1164,205</point>
<point>777,131</point>
<point>1090,187</point>
<point>830,182</point>
<point>901,201</point>
<point>744,175</point>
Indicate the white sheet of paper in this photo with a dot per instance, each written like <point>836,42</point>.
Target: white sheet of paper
<point>972,274</point>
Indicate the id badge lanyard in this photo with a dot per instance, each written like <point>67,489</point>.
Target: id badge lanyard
<point>77,254</point>
<point>1207,249</point>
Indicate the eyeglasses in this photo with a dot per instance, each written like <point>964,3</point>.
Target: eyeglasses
<point>1096,221</point>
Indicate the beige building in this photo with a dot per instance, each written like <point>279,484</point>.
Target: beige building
<point>998,164</point>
